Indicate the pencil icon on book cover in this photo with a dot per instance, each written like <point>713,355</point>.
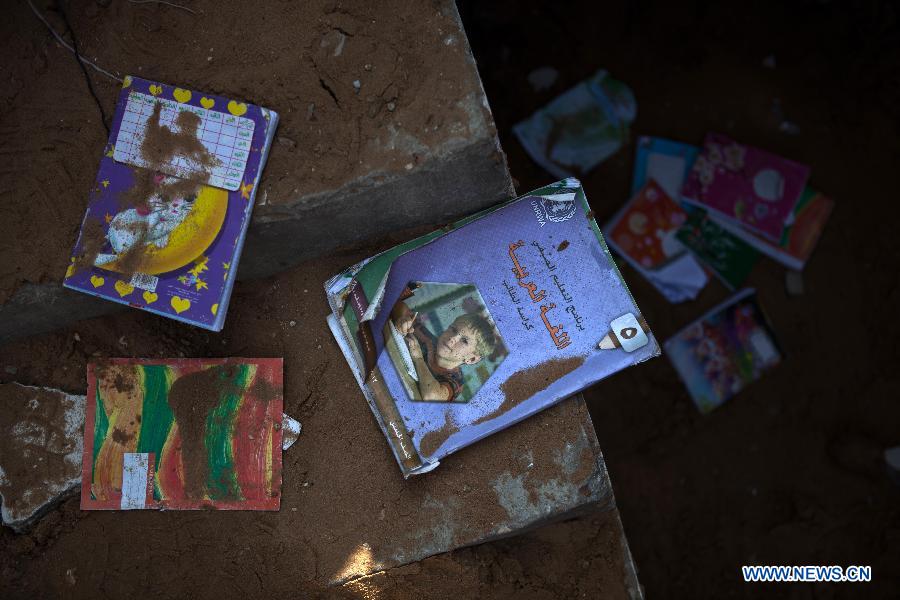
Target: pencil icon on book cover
<point>627,332</point>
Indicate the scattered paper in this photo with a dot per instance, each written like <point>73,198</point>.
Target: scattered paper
<point>581,128</point>
<point>644,231</point>
<point>667,162</point>
<point>726,255</point>
<point>290,431</point>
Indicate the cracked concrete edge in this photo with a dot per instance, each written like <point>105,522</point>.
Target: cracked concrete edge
<point>41,307</point>
<point>633,587</point>
<point>458,178</point>
<point>437,192</point>
<point>557,501</point>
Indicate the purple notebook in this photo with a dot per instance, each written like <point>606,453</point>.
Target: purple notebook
<point>167,217</point>
<point>468,330</point>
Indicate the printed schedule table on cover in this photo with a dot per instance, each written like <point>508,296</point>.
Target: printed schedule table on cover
<point>226,137</point>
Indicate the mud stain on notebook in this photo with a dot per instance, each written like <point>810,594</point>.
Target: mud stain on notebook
<point>524,384</point>
<point>433,440</point>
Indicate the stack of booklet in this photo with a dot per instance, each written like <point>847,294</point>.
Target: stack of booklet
<point>463,332</point>
<point>759,197</point>
<point>737,202</point>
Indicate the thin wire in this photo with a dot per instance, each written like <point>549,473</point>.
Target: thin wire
<point>87,77</point>
<point>193,12</point>
<point>70,48</point>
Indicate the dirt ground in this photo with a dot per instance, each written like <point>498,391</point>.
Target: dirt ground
<point>292,57</point>
<point>788,472</point>
<point>340,493</point>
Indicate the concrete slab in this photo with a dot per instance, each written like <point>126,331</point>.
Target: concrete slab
<point>428,162</point>
<point>40,450</point>
<point>346,510</point>
<point>470,504</point>
<point>586,557</point>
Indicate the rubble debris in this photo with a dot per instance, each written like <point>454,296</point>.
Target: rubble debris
<point>793,282</point>
<point>542,78</point>
<point>40,450</point>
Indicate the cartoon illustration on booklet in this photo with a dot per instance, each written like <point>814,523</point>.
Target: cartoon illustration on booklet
<point>167,217</point>
<point>643,233</point>
<point>749,186</point>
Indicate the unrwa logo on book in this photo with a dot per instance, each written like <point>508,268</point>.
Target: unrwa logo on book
<point>556,208</point>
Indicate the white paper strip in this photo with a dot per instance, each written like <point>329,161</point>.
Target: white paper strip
<point>135,466</point>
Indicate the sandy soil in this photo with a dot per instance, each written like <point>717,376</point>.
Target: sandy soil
<point>787,472</point>
<point>344,507</point>
<point>298,58</point>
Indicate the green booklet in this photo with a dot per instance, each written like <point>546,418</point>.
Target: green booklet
<point>727,256</point>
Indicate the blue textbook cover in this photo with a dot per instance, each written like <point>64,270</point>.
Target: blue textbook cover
<point>167,217</point>
<point>470,329</point>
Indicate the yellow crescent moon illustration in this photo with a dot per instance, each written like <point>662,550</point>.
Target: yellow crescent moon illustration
<point>189,239</point>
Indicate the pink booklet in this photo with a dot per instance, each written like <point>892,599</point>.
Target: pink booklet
<point>746,185</point>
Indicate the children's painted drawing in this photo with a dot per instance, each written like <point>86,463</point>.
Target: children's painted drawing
<point>183,434</point>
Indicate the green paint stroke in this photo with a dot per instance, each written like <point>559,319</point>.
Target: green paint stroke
<point>156,416</point>
<point>101,427</point>
<point>222,482</point>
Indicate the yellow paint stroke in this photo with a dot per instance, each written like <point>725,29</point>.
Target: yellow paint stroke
<point>123,412</point>
<point>271,432</point>
<point>168,451</point>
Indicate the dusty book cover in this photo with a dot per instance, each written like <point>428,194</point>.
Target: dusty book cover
<point>183,434</point>
<point>470,329</point>
<point>168,214</point>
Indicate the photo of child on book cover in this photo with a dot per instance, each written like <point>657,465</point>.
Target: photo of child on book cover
<point>442,341</point>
